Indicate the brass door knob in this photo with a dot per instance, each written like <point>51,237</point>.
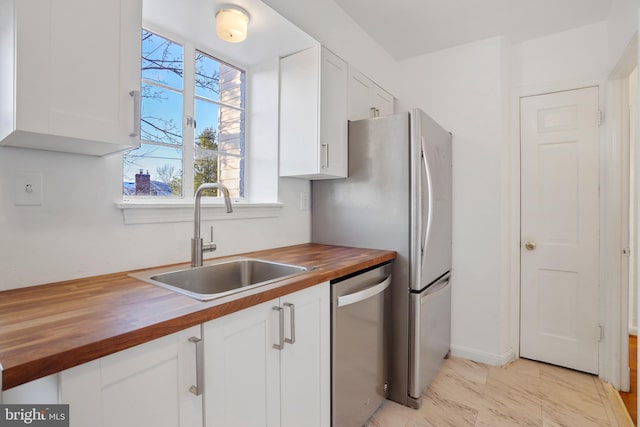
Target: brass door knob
<point>530,246</point>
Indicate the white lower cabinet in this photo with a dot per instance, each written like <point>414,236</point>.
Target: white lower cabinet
<point>267,365</point>
<point>251,382</point>
<point>146,385</point>
<point>42,391</point>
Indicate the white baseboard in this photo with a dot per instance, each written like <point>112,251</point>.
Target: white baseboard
<point>633,330</point>
<point>483,357</point>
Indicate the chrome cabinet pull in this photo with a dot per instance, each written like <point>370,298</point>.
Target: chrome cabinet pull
<point>280,344</point>
<point>292,319</point>
<point>325,157</point>
<point>199,387</point>
<point>136,113</point>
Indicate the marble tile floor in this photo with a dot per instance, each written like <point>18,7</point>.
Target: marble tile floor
<point>521,394</point>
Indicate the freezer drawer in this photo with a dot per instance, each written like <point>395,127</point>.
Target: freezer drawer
<point>431,335</point>
<point>359,355</point>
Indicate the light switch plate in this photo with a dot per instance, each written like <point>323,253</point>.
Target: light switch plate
<point>28,189</point>
<point>304,202</point>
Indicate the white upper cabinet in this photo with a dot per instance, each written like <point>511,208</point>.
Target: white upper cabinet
<point>313,115</point>
<point>367,99</point>
<point>67,73</point>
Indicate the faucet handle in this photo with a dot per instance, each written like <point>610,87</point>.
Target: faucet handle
<point>209,246</point>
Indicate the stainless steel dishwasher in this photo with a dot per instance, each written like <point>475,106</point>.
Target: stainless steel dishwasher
<point>359,316</point>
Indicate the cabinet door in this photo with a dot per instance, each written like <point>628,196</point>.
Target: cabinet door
<point>76,62</point>
<point>313,115</point>
<point>147,385</point>
<point>299,102</point>
<point>40,391</point>
<point>333,147</point>
<point>360,87</point>
<point>242,384</point>
<point>382,101</point>
<point>367,99</point>
<point>305,364</point>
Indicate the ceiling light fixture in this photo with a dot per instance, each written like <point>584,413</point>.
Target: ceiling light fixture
<point>231,23</point>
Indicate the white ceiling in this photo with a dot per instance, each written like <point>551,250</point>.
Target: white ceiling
<point>407,28</point>
<point>270,35</point>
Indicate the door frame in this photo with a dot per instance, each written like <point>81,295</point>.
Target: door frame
<point>616,310</point>
<point>589,155</point>
<point>517,94</point>
<point>614,297</point>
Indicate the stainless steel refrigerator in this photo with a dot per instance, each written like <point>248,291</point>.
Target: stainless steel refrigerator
<point>398,197</point>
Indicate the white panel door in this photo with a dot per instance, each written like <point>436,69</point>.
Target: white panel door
<point>559,229</point>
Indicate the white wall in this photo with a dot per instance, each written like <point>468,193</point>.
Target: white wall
<point>79,232</point>
<point>473,90</point>
<point>463,88</point>
<point>622,24</point>
<point>262,131</point>
<point>562,61</point>
<point>326,22</point>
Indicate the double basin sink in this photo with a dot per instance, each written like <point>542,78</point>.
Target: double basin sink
<point>219,279</point>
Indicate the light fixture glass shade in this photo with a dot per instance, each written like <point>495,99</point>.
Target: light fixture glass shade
<point>231,24</point>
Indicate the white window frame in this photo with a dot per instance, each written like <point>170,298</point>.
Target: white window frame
<point>189,97</point>
<point>156,210</point>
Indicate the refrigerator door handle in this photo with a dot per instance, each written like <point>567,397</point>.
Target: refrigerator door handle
<point>364,294</point>
<point>436,288</point>
<point>426,183</point>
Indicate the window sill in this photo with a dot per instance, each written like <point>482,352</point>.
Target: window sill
<point>153,212</point>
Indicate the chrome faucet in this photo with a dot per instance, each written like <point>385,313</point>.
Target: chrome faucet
<point>198,247</point>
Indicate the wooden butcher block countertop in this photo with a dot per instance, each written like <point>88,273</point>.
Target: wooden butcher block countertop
<point>49,328</point>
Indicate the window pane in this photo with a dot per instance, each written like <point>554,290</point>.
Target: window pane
<point>231,86</point>
<point>231,150</point>
<point>161,115</point>
<point>210,166</point>
<point>231,131</point>
<point>231,173</point>
<point>207,76</point>
<point>206,132</point>
<point>205,168</point>
<point>161,60</point>
<point>152,170</point>
<point>219,146</point>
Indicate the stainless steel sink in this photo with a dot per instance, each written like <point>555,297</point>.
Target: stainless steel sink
<point>222,278</point>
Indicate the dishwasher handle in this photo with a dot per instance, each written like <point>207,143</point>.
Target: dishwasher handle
<point>364,294</point>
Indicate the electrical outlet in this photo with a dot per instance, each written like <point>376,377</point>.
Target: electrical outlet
<point>28,189</point>
<point>304,202</point>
